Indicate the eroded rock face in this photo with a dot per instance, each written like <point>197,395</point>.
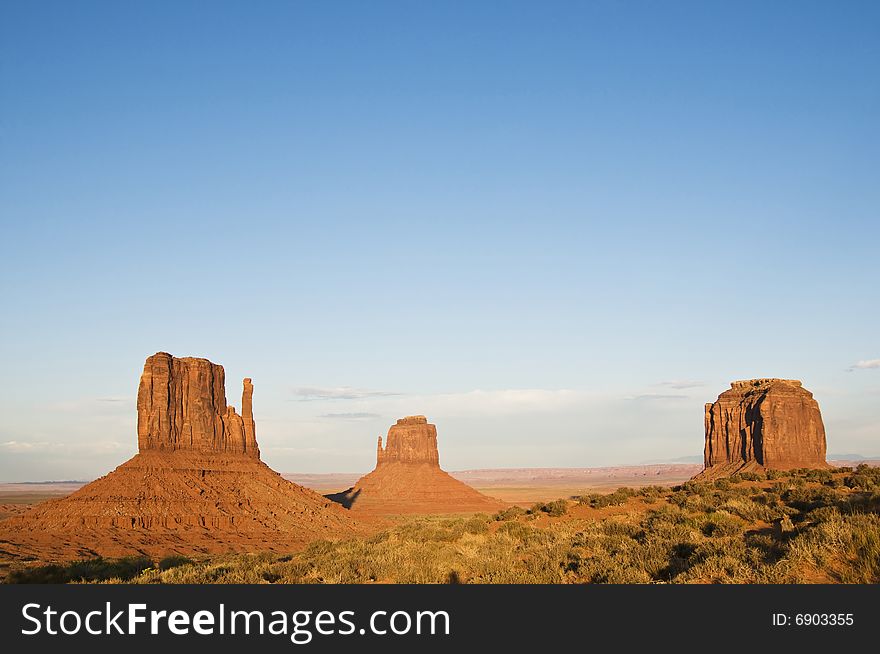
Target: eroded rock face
<point>408,478</point>
<point>411,440</point>
<point>763,423</point>
<point>182,406</point>
<point>197,484</point>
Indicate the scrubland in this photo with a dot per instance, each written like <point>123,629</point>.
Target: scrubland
<point>803,526</point>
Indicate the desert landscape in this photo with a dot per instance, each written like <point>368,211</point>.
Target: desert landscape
<point>197,505</point>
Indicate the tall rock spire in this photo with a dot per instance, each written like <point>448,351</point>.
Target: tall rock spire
<point>247,416</point>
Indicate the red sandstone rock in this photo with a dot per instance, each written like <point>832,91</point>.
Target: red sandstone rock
<point>181,405</point>
<point>411,440</point>
<point>763,424</point>
<point>408,478</point>
<point>196,486</point>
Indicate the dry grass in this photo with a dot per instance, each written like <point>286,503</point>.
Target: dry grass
<point>799,527</point>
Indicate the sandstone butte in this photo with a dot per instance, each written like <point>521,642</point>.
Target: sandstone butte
<point>408,478</point>
<point>197,484</point>
<point>763,424</point>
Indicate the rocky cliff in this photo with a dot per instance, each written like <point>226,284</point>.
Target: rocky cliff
<point>181,405</point>
<point>763,423</point>
<point>410,440</point>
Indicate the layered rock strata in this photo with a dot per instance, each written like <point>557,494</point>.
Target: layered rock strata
<point>196,486</point>
<point>763,424</point>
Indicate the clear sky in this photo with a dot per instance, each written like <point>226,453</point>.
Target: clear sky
<point>555,228</point>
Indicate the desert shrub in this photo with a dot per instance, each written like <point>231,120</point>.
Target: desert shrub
<point>554,508</point>
<point>807,498</point>
<point>721,524</point>
<point>537,508</point>
<point>510,513</point>
<point>750,510</point>
<point>864,478</point>
<point>665,515</point>
<point>618,497</point>
<point>89,570</point>
<point>697,487</point>
<point>652,492</point>
<point>767,498</point>
<point>845,547</point>
<point>173,561</point>
<point>618,528</point>
<point>478,524</point>
<point>820,476</point>
<point>516,530</point>
<point>823,513</point>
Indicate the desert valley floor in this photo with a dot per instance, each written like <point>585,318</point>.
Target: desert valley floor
<point>521,486</point>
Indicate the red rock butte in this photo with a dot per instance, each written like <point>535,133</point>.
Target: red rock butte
<point>181,405</point>
<point>408,478</point>
<point>758,424</point>
<point>197,484</point>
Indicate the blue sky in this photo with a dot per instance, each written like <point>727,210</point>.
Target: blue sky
<point>557,229</point>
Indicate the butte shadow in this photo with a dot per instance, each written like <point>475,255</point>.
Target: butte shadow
<point>408,478</point>
<point>196,486</point>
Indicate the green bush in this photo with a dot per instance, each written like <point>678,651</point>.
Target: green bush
<point>618,497</point>
<point>554,508</point>
<point>652,492</point>
<point>721,525</point>
<point>510,513</point>
<point>537,507</point>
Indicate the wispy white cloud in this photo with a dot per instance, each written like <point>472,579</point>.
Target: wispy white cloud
<point>23,446</point>
<point>94,405</point>
<point>313,393</point>
<point>682,384</point>
<point>497,402</point>
<point>354,415</point>
<point>62,449</point>
<point>867,364</point>
<point>657,396</point>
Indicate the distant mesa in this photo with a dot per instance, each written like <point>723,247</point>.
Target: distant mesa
<point>197,484</point>
<point>758,424</point>
<point>408,478</point>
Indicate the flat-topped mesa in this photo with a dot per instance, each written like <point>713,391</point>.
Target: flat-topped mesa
<point>763,423</point>
<point>766,381</point>
<point>181,405</point>
<point>410,440</point>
